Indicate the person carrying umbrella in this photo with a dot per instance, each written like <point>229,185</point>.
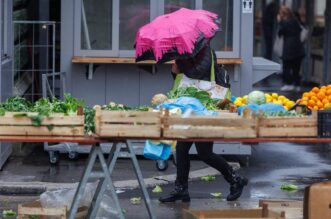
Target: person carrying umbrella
<point>196,62</point>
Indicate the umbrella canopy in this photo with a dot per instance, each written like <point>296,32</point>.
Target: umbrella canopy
<point>179,34</point>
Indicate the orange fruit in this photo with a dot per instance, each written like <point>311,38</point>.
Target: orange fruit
<point>315,108</point>
<point>305,94</point>
<point>319,104</point>
<point>323,87</point>
<point>311,103</point>
<point>321,95</point>
<point>329,86</point>
<point>327,105</point>
<point>304,102</point>
<point>315,90</point>
<point>314,98</point>
<point>311,94</point>
<point>305,98</point>
<point>329,98</point>
<point>325,100</point>
<point>328,92</point>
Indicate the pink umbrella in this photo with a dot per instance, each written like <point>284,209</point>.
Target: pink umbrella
<point>176,35</point>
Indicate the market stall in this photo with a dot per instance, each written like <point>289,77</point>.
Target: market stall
<point>260,118</point>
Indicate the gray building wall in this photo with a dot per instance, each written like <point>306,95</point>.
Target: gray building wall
<point>131,85</point>
<point>6,77</point>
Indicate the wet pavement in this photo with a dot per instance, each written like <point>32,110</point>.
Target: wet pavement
<point>270,166</point>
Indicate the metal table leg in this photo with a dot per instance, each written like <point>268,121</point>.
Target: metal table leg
<point>140,180</point>
<point>102,186</point>
<point>95,153</point>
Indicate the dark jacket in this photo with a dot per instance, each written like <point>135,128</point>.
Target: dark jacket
<point>293,47</point>
<point>199,66</point>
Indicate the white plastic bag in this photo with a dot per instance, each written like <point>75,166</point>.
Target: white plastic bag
<point>63,197</point>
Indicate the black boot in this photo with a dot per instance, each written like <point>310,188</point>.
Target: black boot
<point>179,193</point>
<point>237,184</point>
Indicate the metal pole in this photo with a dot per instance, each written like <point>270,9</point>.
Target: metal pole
<point>53,64</point>
<point>327,43</point>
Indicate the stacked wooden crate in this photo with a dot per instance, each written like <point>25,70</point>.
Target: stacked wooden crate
<point>224,125</point>
<point>305,126</point>
<point>57,124</point>
<point>127,124</point>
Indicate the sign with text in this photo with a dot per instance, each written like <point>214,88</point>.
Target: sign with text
<point>247,6</point>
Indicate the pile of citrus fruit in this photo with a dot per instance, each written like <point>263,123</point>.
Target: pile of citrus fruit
<point>279,99</point>
<point>317,98</point>
<point>270,98</point>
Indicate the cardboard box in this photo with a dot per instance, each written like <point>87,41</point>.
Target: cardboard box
<point>263,212</point>
<point>317,201</point>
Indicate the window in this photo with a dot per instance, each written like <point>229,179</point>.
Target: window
<point>133,14</point>
<point>174,5</point>
<point>109,27</point>
<point>223,40</point>
<point>96,25</point>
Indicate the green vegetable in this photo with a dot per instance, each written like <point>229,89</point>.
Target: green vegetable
<point>2,111</point>
<point>289,187</point>
<point>157,189</point>
<point>16,104</point>
<point>89,125</point>
<point>135,200</point>
<point>8,213</point>
<point>256,97</point>
<point>202,96</point>
<point>208,178</point>
<point>216,194</point>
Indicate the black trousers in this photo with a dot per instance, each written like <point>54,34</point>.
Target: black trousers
<point>205,152</point>
<point>291,71</point>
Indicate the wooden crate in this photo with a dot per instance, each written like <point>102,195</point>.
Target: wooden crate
<point>263,212</point>
<point>127,124</point>
<point>227,125</point>
<point>56,124</point>
<point>34,209</point>
<point>288,126</point>
<point>292,208</point>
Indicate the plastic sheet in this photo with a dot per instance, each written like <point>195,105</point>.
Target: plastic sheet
<point>64,197</point>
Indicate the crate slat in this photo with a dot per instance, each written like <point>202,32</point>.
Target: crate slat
<point>130,131</point>
<point>42,130</point>
<point>210,121</point>
<point>288,132</point>
<point>288,122</point>
<point>57,120</point>
<point>209,132</point>
<point>132,120</point>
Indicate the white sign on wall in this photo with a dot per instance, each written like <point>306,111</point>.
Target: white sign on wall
<point>247,6</point>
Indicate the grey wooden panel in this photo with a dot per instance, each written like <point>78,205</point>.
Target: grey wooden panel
<point>122,84</point>
<point>92,91</point>
<point>151,84</point>
<point>6,80</point>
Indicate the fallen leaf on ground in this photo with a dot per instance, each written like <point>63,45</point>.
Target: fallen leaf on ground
<point>157,189</point>
<point>289,187</point>
<point>135,200</point>
<point>208,178</point>
<point>216,194</point>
